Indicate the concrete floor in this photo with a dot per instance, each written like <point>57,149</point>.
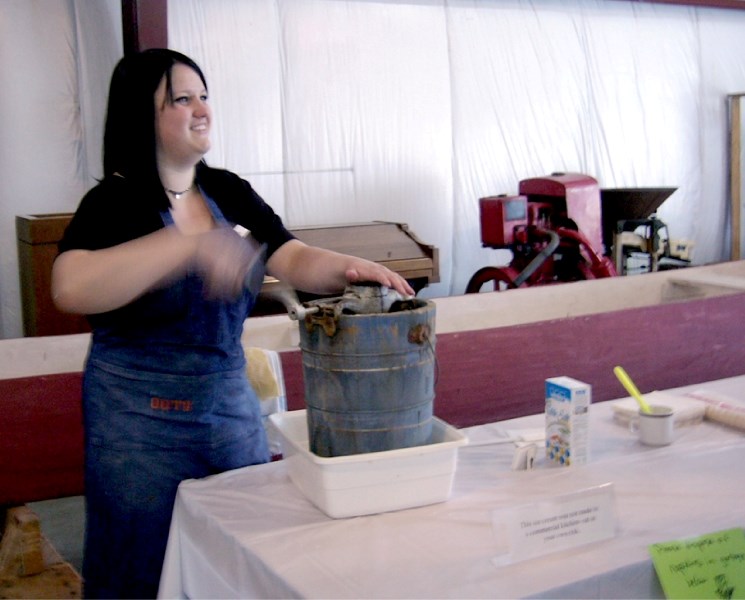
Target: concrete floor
<point>63,524</point>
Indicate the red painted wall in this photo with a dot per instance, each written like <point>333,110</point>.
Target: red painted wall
<point>495,374</point>
<point>482,376</point>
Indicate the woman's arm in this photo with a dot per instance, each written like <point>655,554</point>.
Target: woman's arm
<point>320,271</point>
<point>95,281</point>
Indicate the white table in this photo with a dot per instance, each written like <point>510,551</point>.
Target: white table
<point>250,533</point>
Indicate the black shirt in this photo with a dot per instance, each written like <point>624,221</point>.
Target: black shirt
<point>117,211</point>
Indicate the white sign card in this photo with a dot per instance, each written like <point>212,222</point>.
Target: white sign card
<point>556,524</point>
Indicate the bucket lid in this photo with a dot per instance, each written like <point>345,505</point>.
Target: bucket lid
<point>362,299</point>
<point>358,299</point>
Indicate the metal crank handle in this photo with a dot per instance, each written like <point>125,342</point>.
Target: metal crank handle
<point>287,296</point>
<point>282,292</point>
<point>298,312</point>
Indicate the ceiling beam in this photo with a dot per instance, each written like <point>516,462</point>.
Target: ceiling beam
<point>739,4</point>
<point>144,24</point>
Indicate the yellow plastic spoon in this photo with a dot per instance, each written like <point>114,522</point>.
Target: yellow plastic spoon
<point>625,380</point>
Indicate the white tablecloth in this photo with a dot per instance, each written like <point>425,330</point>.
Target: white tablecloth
<point>250,533</point>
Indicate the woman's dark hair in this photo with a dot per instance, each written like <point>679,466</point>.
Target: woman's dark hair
<point>129,134</point>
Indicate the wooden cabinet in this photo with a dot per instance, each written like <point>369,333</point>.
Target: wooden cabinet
<point>37,237</point>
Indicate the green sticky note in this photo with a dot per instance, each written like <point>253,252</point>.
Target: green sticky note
<point>709,566</point>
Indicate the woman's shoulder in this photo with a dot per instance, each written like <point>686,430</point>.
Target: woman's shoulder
<point>111,212</point>
<point>109,187</point>
<point>229,189</point>
<point>240,203</point>
<point>101,197</point>
<point>215,177</point>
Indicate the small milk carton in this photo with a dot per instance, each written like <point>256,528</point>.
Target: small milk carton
<point>567,405</point>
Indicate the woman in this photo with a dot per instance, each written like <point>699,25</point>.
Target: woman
<point>151,256</point>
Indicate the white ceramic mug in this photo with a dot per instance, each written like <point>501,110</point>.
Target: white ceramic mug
<point>655,427</point>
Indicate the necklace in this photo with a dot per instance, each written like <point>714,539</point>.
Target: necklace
<point>176,194</point>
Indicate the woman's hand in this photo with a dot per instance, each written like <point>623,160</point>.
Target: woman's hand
<point>364,271</point>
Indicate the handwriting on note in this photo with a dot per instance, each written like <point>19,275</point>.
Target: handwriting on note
<point>709,566</point>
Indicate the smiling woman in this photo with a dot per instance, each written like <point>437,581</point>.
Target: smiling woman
<point>152,257</point>
<point>182,139</point>
<point>183,127</point>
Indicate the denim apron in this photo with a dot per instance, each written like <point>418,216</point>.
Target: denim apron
<point>165,398</point>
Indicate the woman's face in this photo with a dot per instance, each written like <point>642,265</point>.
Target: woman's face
<point>182,127</point>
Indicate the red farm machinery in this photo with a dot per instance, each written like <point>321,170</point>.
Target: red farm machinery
<point>553,228</point>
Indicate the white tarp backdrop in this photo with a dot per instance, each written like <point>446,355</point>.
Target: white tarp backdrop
<point>342,111</point>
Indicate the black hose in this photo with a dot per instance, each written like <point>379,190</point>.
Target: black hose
<point>541,258</point>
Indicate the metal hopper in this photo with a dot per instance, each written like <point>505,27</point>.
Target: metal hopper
<point>628,204</point>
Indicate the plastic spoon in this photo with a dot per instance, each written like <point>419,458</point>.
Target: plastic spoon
<point>625,380</point>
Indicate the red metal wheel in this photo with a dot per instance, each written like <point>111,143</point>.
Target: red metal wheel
<point>503,278</point>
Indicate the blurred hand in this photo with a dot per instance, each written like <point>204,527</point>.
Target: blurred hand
<point>223,259</point>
